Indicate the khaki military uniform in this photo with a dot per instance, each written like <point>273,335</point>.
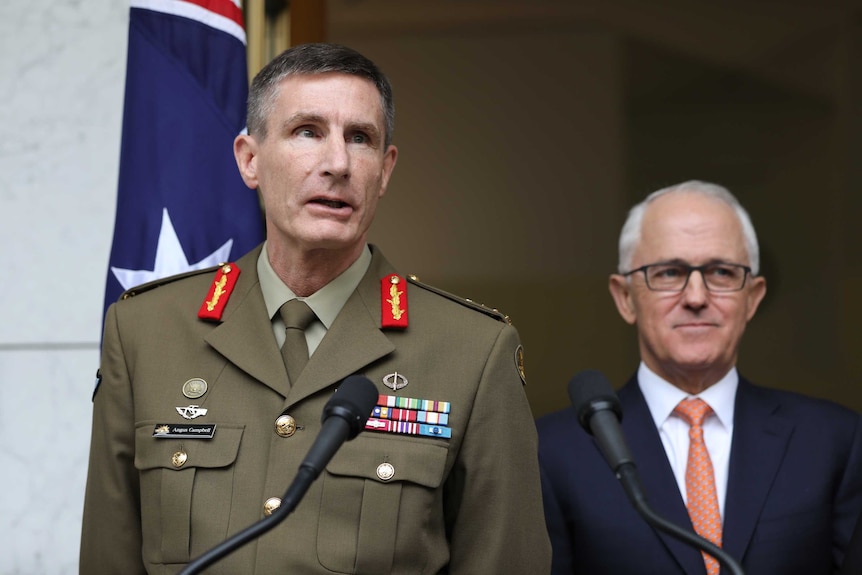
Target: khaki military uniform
<point>387,503</point>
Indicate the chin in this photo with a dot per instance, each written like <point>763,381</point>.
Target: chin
<point>697,361</point>
<point>328,242</point>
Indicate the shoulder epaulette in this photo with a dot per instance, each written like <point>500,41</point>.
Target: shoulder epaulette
<point>132,292</point>
<point>492,312</point>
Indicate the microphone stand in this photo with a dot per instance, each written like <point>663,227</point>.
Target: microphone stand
<point>627,475</point>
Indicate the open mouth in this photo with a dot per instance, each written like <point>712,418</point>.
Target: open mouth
<point>335,204</point>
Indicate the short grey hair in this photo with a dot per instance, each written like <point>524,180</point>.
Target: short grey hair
<point>631,232</point>
<point>310,59</point>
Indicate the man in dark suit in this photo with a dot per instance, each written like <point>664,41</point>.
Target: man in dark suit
<point>208,402</point>
<point>853,559</point>
<point>772,477</point>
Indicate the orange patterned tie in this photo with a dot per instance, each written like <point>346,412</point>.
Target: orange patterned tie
<point>700,480</point>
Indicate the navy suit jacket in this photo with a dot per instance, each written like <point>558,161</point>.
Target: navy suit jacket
<point>794,490</point>
<point>853,559</point>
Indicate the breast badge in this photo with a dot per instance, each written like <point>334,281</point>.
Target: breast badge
<point>192,411</point>
<point>395,381</point>
<point>195,388</point>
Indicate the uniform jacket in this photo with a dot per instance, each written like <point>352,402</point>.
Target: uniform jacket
<point>794,490</point>
<point>469,505</point>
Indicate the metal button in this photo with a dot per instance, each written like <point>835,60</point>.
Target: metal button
<point>270,505</point>
<point>285,426</point>
<point>385,471</point>
<point>179,458</point>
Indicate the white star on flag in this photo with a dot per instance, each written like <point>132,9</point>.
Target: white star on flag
<point>170,258</point>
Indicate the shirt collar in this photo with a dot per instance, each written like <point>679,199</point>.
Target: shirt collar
<point>325,302</point>
<point>662,396</point>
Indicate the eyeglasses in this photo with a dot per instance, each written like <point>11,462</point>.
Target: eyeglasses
<point>673,277</point>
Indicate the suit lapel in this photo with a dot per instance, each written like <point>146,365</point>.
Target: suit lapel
<point>354,339</point>
<point>244,336</point>
<point>656,475</point>
<point>760,439</point>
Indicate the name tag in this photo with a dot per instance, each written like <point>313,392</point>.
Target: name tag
<point>184,431</point>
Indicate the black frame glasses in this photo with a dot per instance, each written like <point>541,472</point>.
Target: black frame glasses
<point>718,277</point>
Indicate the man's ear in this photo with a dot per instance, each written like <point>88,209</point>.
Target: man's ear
<point>389,159</point>
<point>621,291</point>
<point>245,153</point>
<point>755,295</point>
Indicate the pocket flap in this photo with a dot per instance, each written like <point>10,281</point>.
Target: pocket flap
<point>412,460</point>
<point>155,452</point>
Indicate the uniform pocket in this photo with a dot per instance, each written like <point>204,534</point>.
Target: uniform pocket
<point>171,469</point>
<point>367,485</point>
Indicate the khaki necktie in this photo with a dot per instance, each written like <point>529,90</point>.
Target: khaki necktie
<point>297,316</point>
<point>700,479</point>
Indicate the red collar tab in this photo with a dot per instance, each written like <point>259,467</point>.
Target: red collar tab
<point>219,293</point>
<point>393,301</point>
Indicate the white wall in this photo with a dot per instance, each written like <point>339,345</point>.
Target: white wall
<point>62,69</point>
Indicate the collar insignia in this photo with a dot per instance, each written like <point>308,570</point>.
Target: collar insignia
<point>219,293</point>
<point>393,301</point>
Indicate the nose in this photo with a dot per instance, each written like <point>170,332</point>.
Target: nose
<point>336,161</point>
<point>695,294</point>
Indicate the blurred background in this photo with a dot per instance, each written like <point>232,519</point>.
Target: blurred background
<point>526,130</point>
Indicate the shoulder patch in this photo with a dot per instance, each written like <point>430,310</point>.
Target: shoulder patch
<point>491,312</point>
<point>149,286</point>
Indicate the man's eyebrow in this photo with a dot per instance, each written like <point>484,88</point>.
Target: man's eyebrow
<point>680,261</point>
<point>301,118</point>
<point>366,127</point>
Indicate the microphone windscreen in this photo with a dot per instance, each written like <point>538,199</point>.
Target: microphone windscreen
<point>590,391</point>
<point>354,400</point>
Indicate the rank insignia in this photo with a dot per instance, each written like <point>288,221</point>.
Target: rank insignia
<point>219,292</point>
<point>393,301</point>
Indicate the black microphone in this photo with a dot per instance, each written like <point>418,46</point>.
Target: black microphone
<point>344,416</point>
<point>599,412</point>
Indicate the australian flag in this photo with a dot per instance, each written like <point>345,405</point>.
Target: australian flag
<point>181,203</point>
